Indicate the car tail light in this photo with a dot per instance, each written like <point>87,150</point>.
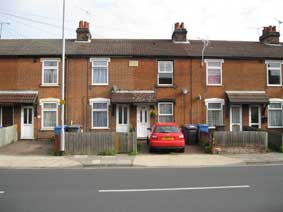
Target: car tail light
<point>181,136</point>
<point>153,136</point>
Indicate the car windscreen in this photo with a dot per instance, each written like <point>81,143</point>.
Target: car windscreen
<point>167,129</point>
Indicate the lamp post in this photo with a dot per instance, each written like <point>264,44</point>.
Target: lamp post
<point>62,102</point>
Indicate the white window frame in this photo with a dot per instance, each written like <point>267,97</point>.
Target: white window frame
<point>278,69</point>
<point>221,61</point>
<point>158,63</point>
<point>49,67</point>
<point>99,59</point>
<point>44,101</point>
<point>278,101</point>
<point>259,115</point>
<point>214,100</point>
<point>99,100</point>
<point>167,114</point>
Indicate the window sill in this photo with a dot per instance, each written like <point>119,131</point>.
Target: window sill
<point>47,129</point>
<point>49,85</point>
<point>216,85</point>
<point>165,86</point>
<point>100,128</point>
<point>270,85</point>
<point>100,84</point>
<point>279,127</point>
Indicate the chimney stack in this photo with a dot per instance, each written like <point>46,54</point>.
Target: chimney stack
<point>180,33</point>
<point>83,33</point>
<point>269,35</point>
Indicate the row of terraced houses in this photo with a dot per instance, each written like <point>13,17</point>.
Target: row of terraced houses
<point>115,84</point>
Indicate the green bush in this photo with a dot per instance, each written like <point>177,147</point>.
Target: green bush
<point>281,149</point>
<point>108,152</point>
<point>133,153</point>
<point>207,148</point>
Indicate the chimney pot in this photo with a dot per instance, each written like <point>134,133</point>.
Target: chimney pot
<point>81,24</point>
<point>86,25</point>
<point>180,33</point>
<point>269,35</point>
<point>177,25</point>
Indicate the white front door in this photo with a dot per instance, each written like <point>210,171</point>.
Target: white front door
<point>27,127</point>
<point>142,121</point>
<point>122,118</point>
<point>236,118</point>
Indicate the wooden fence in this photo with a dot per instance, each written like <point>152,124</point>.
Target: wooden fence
<point>99,142</point>
<point>8,135</point>
<point>248,140</point>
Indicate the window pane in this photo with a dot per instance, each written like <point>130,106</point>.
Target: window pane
<point>50,75</point>
<point>49,106</point>
<point>125,115</point>
<point>214,76</point>
<point>50,63</point>
<point>99,105</point>
<point>49,118</point>
<point>99,75</point>
<point>166,118</point>
<point>120,114</point>
<point>100,119</point>
<point>274,77</point>
<point>25,116</point>
<point>30,116</point>
<point>214,63</point>
<point>275,105</point>
<point>214,106</point>
<point>236,115</point>
<point>274,65</point>
<point>275,118</point>
<point>254,115</point>
<point>145,116</point>
<point>165,66</point>
<point>214,118</point>
<point>100,63</point>
<point>165,109</point>
<point>141,116</point>
<point>165,78</point>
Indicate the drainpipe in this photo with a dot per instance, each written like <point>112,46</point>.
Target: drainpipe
<point>62,103</point>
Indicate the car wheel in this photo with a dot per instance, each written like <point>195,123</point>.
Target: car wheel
<point>150,149</point>
<point>182,150</point>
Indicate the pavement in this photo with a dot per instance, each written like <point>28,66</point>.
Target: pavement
<point>154,160</point>
<point>210,189</point>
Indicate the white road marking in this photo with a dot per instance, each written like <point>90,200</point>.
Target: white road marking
<point>2,192</point>
<point>175,189</point>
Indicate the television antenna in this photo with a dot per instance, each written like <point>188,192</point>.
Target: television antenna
<point>279,23</point>
<point>257,28</point>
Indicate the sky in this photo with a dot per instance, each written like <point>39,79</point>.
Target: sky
<point>147,19</point>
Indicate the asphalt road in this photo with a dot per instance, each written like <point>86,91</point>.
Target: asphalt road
<point>258,189</point>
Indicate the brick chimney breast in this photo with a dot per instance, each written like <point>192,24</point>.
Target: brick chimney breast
<point>83,33</point>
<point>180,33</point>
<point>269,35</point>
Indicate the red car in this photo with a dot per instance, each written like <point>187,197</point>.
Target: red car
<point>166,136</point>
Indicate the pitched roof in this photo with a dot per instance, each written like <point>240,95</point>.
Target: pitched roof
<point>140,48</point>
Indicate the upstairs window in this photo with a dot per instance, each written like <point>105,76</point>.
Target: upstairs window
<point>274,77</point>
<point>214,72</point>
<point>50,69</point>
<point>165,73</point>
<point>165,112</point>
<point>214,113</point>
<point>100,71</point>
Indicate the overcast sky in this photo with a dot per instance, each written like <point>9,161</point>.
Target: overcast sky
<point>216,20</point>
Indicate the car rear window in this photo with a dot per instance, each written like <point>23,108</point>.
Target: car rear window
<point>166,129</point>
